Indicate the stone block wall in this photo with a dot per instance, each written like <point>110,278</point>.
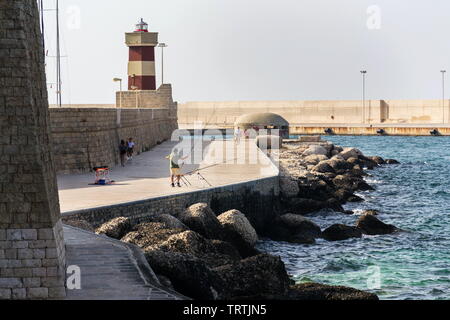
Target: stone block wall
<point>84,138</point>
<point>32,255</point>
<point>257,199</point>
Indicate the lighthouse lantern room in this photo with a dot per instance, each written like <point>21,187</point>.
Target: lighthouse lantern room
<point>141,62</point>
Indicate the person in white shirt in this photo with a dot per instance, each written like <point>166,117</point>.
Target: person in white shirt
<point>130,149</point>
<point>237,135</point>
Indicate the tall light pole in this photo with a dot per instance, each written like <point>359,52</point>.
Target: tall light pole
<point>363,73</point>
<point>443,95</point>
<point>120,94</point>
<point>162,46</point>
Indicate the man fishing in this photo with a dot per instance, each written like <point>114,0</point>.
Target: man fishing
<point>174,164</point>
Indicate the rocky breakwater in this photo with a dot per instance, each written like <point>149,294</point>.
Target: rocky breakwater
<point>207,256</point>
<point>322,176</point>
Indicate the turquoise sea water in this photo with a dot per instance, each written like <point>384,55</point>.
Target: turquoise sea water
<point>414,196</point>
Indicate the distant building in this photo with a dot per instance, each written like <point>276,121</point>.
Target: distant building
<point>268,121</point>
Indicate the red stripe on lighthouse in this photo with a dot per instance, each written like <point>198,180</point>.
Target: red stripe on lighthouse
<point>142,82</point>
<point>142,54</point>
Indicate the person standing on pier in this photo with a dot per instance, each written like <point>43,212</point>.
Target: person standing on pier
<point>174,165</point>
<point>123,149</point>
<point>237,135</point>
<point>130,150</point>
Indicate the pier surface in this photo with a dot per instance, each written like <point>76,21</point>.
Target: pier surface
<point>147,175</point>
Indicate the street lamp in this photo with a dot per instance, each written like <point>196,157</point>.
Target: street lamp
<point>120,94</point>
<point>162,46</point>
<point>363,73</point>
<point>443,95</point>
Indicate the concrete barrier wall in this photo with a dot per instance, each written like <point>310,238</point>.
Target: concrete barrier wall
<point>223,114</point>
<point>257,199</point>
<point>83,138</point>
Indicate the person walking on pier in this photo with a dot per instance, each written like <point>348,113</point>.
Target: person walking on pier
<point>123,149</point>
<point>174,165</point>
<point>237,135</point>
<point>130,150</point>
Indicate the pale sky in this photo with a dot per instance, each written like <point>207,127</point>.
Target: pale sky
<point>222,50</point>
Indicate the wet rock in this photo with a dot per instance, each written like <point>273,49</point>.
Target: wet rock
<point>378,160</point>
<point>200,218</point>
<point>260,277</point>
<point>370,212</point>
<point>367,162</point>
<point>188,274</point>
<point>294,228</point>
<point>315,149</point>
<point>392,161</point>
<point>288,187</point>
<point>355,198</point>
<point>149,234</point>
<point>305,206</point>
<point>116,228</point>
<point>338,232</point>
<point>370,225</point>
<point>323,167</point>
<point>342,195</point>
<point>352,183</point>
<point>316,291</point>
<point>238,231</point>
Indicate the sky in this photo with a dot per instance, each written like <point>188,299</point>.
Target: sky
<point>227,50</point>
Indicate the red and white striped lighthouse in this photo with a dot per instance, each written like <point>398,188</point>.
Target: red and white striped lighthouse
<point>141,64</point>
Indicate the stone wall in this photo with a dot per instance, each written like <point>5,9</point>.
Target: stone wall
<point>331,113</point>
<point>87,137</point>
<point>32,255</point>
<point>257,199</point>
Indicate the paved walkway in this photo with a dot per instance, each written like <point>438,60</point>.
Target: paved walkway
<point>147,175</point>
<point>110,269</point>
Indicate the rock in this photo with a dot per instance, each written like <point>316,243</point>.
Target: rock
<point>316,291</point>
<point>237,226</point>
<point>337,157</point>
<point>192,243</point>
<point>288,187</point>
<point>115,228</point>
<point>370,225</point>
<point>370,212</point>
<point>355,198</point>
<point>315,159</point>
<point>342,195</point>
<point>367,162</point>
<point>294,228</point>
<point>315,149</point>
<point>378,160</point>
<point>340,165</point>
<point>260,277</point>
<point>323,167</point>
<point>200,218</point>
<point>79,223</point>
<point>392,161</point>
<point>188,275</point>
<point>150,234</point>
<point>341,232</point>
<point>350,153</point>
<point>354,161</point>
<point>352,183</point>
<point>170,221</point>
<point>305,206</point>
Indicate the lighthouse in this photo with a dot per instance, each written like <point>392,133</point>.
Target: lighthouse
<point>141,62</point>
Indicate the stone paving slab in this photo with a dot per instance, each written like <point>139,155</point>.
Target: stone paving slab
<point>109,270</point>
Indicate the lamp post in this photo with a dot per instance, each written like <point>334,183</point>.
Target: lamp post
<point>363,73</point>
<point>443,95</point>
<point>162,46</point>
<point>120,93</point>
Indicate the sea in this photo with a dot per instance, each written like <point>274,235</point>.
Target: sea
<point>414,196</point>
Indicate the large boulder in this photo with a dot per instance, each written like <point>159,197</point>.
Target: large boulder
<point>338,232</point>
<point>377,159</point>
<point>340,165</point>
<point>170,221</point>
<point>149,234</point>
<point>315,159</point>
<point>115,228</point>
<point>323,167</point>
<point>392,161</point>
<point>200,218</point>
<point>260,277</point>
<point>317,291</point>
<point>238,231</point>
<point>288,187</point>
<point>371,225</point>
<point>192,243</point>
<point>315,149</point>
<point>188,274</point>
<point>294,228</point>
<point>352,183</point>
<point>350,153</point>
<point>305,206</point>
